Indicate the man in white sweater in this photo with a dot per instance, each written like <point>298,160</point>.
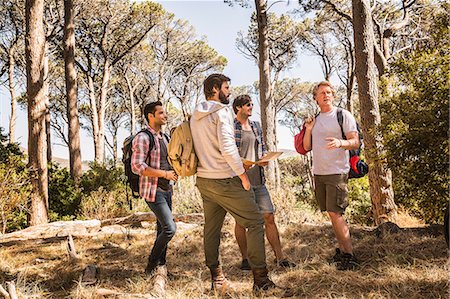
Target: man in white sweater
<point>223,183</point>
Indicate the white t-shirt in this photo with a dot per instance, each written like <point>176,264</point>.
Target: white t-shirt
<point>331,161</point>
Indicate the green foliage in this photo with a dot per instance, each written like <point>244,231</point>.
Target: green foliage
<point>63,195</point>
<point>295,175</point>
<point>101,175</point>
<point>360,203</point>
<point>416,124</point>
<point>15,187</point>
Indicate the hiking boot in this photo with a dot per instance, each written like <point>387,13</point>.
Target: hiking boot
<point>219,284</point>
<point>245,265</point>
<point>348,262</point>
<point>336,258</point>
<point>151,267</point>
<point>285,263</point>
<point>263,286</point>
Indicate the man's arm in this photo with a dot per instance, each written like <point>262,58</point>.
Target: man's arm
<point>307,138</point>
<point>139,166</point>
<point>228,148</point>
<point>351,143</point>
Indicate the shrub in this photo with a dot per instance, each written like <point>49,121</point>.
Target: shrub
<point>63,195</point>
<point>107,177</point>
<point>103,204</point>
<point>186,197</point>
<point>360,204</point>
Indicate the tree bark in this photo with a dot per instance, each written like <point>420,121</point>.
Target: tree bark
<point>35,55</point>
<point>47,104</point>
<point>380,177</point>
<point>71,92</point>
<point>12,92</point>
<point>94,115</point>
<point>132,108</point>
<point>100,146</point>
<point>266,103</point>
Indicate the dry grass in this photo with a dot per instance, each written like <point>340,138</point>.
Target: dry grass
<point>411,264</point>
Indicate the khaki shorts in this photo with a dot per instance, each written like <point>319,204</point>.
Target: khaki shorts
<point>331,192</point>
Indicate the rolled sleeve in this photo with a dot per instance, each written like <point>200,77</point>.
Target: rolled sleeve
<point>140,149</point>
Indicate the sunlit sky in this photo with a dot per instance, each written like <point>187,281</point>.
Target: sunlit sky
<point>219,24</point>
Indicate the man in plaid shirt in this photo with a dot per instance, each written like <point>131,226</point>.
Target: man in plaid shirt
<point>249,140</point>
<point>149,161</point>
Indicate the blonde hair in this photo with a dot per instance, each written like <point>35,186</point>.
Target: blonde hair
<point>323,83</point>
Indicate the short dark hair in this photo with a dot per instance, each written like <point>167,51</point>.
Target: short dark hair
<point>151,108</point>
<point>213,80</point>
<point>240,101</point>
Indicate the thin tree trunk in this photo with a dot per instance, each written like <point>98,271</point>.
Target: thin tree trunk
<point>47,105</point>
<point>35,55</point>
<point>71,92</point>
<point>94,116</point>
<point>380,177</point>
<point>350,86</point>
<point>115,147</point>
<point>133,112</point>
<point>100,154</point>
<point>267,107</point>
<point>12,92</point>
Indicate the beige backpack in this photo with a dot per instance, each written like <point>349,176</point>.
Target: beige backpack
<point>181,152</point>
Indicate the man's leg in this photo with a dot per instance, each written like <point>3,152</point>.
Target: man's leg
<point>214,216</point>
<point>272,235</point>
<point>241,239</point>
<point>164,216</point>
<point>341,231</point>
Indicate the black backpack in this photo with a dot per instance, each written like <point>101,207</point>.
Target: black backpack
<point>358,168</point>
<point>127,149</point>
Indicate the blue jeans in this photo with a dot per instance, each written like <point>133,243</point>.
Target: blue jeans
<point>165,226</point>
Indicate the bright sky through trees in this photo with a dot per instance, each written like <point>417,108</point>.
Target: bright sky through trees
<point>219,24</point>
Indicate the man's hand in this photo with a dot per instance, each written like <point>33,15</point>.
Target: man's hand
<point>171,175</point>
<point>245,181</point>
<point>309,122</point>
<point>247,166</point>
<point>333,143</point>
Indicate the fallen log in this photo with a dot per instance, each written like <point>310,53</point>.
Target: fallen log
<point>73,256</point>
<point>159,284</point>
<point>12,290</point>
<point>139,217</point>
<point>3,292</point>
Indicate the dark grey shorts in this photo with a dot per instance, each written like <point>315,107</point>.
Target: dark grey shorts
<point>331,192</point>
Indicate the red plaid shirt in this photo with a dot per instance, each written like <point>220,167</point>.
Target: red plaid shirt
<point>141,143</point>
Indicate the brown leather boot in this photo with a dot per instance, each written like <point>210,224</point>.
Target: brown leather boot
<point>219,283</point>
<point>262,285</point>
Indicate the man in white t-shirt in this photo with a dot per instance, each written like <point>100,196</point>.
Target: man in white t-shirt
<point>331,166</point>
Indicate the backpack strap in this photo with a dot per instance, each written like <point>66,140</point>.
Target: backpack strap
<point>340,118</point>
<point>151,141</point>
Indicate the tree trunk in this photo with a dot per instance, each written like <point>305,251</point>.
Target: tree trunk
<point>12,91</point>
<point>350,86</point>
<point>71,92</point>
<point>380,177</point>
<point>115,142</point>
<point>94,116</point>
<point>47,105</point>
<point>35,55</point>
<point>100,153</point>
<point>133,112</point>
<point>267,106</point>
<point>48,131</point>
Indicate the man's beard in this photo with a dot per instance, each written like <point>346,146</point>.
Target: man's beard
<point>223,98</point>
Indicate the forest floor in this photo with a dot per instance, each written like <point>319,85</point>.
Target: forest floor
<point>412,263</point>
